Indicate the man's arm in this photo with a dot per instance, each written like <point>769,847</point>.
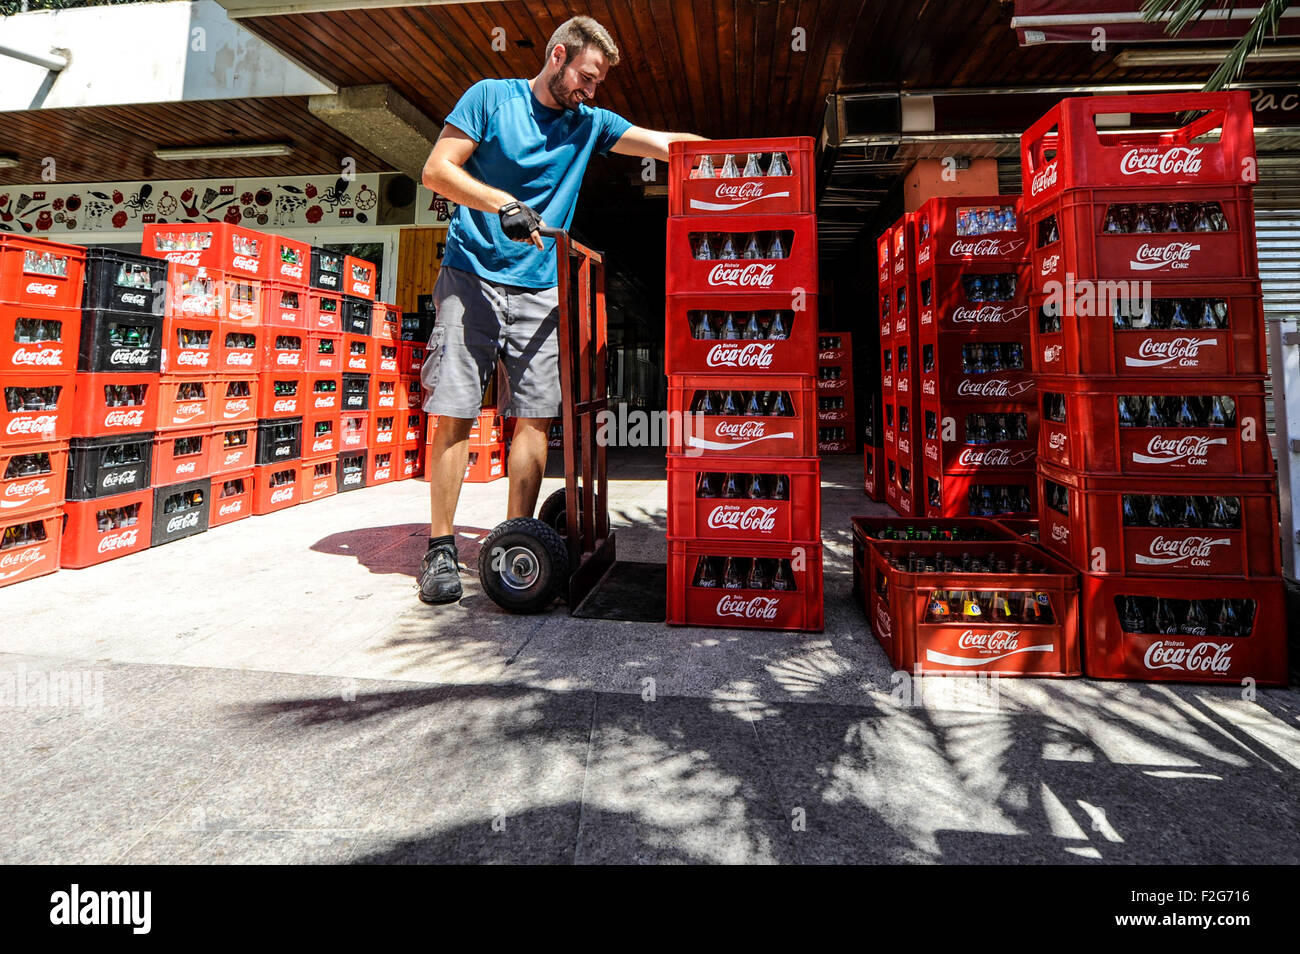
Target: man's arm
<point>444,173</point>
<point>651,143</point>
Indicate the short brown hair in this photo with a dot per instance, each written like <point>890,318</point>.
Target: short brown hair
<point>578,33</point>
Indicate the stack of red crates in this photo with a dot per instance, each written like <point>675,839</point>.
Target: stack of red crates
<point>40,326</point>
<point>873,451</point>
<point>1155,471</point>
<point>970,426</point>
<point>836,421</point>
<point>744,514</point>
<point>899,384</point>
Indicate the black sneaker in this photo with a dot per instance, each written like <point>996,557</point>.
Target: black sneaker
<point>440,576</point>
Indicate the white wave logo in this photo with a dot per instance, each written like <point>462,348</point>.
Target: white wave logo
<point>992,646</point>
<point>752,275</point>
<point>1200,657</point>
<point>124,419</point>
<point>1195,550</point>
<point>1178,160</point>
<point>1186,351</point>
<point>1175,255</point>
<point>988,315</point>
<point>1172,450</point>
<point>42,288</point>
<point>118,479</point>
<point>28,490</point>
<point>757,607</point>
<point>118,541</point>
<point>236,407</point>
<point>20,560</point>
<point>751,355</point>
<point>1049,264</point>
<point>1044,179</point>
<point>738,434</point>
<point>183,522</point>
<point>737,196</point>
<point>129,356</point>
<point>993,457</point>
<point>987,247</point>
<point>992,388</point>
<point>187,412</point>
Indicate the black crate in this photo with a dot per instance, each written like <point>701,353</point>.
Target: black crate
<point>107,466</point>
<point>356,392</point>
<point>357,315</point>
<point>417,326</point>
<point>279,440</point>
<point>123,281</point>
<point>186,517</point>
<point>326,269</point>
<point>351,470</point>
<point>108,342</point>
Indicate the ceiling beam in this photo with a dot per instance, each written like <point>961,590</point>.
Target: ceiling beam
<point>239,9</point>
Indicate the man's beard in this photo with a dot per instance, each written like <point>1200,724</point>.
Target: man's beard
<point>560,93</point>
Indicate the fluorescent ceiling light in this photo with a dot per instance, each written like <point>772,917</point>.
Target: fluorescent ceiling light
<point>181,153</point>
<point>1206,55</point>
<point>8,162</point>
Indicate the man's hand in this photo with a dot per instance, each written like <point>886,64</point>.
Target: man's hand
<point>520,222</point>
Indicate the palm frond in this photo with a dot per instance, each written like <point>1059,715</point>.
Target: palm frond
<point>1177,14</point>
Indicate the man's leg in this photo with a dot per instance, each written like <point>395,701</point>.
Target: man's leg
<point>447,472</point>
<point>527,464</point>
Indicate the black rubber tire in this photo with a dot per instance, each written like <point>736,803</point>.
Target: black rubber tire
<point>554,509</point>
<point>547,551</point>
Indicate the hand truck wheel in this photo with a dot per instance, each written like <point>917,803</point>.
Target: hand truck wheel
<point>554,508</point>
<point>523,565</point>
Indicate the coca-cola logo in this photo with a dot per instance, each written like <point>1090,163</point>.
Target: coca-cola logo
<point>293,271</point>
<point>183,258</point>
<point>1184,350</point>
<point>40,424</point>
<point>324,402</point>
<point>749,189</point>
<point>381,473</point>
<point>361,288</point>
<point>1177,160</point>
<point>898,266</point>
<point>986,247</point>
<point>236,407</point>
<point>47,357</point>
<point>932,451</point>
<point>1044,179</point>
<point>1056,440</point>
<point>225,510</point>
<point>735,517</point>
<point>196,358</point>
<point>282,450</point>
<point>124,419</point>
<point>186,468</point>
<point>838,384</point>
<point>1192,449</point>
<point>740,430</point>
<point>29,489</point>
<point>129,356</point>
<point>383,437</point>
<point>1194,550</point>
<point>887,380</point>
<point>21,559</point>
<point>288,317</point>
<point>749,275</point>
<point>183,521</point>
<point>323,444</point>
<point>357,362</point>
<point>281,495</point>
<point>387,401</point>
<point>756,607</point>
<point>243,358</point>
<point>134,298</point>
<point>923,255</point>
<point>234,457</point>
<point>42,288</point>
<point>1198,657</point>
<point>352,478</point>
<point>1000,640</point>
<point>118,541</point>
<point>1175,256</point>
<point>1060,532</point>
<point>993,457</point>
<point>118,478</point>
<point>245,262</point>
<point>904,384</point>
<point>187,412</point>
<point>752,354</point>
<point>988,315</point>
<point>284,406</point>
<point>992,388</point>
<point>1049,264</point>
<point>884,625</point>
<point>287,359</point>
<point>1053,353</point>
<point>904,446</point>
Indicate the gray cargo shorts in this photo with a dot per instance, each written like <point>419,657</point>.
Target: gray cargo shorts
<point>480,321</point>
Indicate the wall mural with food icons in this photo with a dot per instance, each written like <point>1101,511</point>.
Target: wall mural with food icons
<point>52,209</point>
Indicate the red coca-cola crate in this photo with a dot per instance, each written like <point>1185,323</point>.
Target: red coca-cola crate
<point>182,455</point>
<point>382,430</point>
<point>324,393</point>
<point>1080,428</point>
<point>289,261</point>
<point>884,271</point>
<point>385,357</point>
<point>797,517</point>
<point>285,307</point>
<point>747,194</point>
<point>1083,519</point>
<point>319,478</point>
<point>383,470</point>
<point>384,392</point>
<point>835,387</point>
<point>325,353</point>
<point>410,393</point>
<point>798,609</point>
<point>357,350</point>
<point>411,356</point>
<point>276,486</point>
<point>797,270</point>
<point>354,428</point>
<point>903,308</point>
<point>835,440</point>
<point>29,545</point>
<point>412,460</point>
<point>37,408</point>
<point>32,477</point>
<point>231,496</point>
<point>950,366</point>
<point>386,323</point>
<point>234,448</point>
<point>902,248</point>
<point>972,436</point>
<point>96,531</point>
<point>36,340</point>
<point>904,476</point>
<point>900,603</point>
<point>196,291</point>
<point>841,416</point>
<point>963,494</point>
<point>990,299</point>
<point>191,346</point>
<point>324,312</point>
<point>487,462</point>
<point>231,248</point>
<point>185,403</point>
<point>111,404</point>
<point>359,277</point>
<point>234,399</point>
<point>766,436</point>
<point>1086,248</point>
<point>1188,330</point>
<point>890,480</point>
<point>884,302</point>
<point>886,369</point>
<point>282,395</point>
<point>872,477</point>
<point>969,229</point>
<point>834,347</point>
<point>284,351</point>
<point>244,301</point>
<point>320,436</point>
<point>240,348</point>
<point>1066,149</point>
<point>40,272</point>
<point>411,427</point>
<point>1257,651</point>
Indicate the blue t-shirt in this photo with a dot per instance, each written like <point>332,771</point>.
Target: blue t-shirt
<point>535,153</point>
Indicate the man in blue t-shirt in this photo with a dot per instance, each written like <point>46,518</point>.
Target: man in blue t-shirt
<point>512,155</point>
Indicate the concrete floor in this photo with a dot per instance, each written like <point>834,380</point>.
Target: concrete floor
<point>273,691</point>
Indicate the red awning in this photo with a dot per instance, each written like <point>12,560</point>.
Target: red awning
<point>1073,21</point>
